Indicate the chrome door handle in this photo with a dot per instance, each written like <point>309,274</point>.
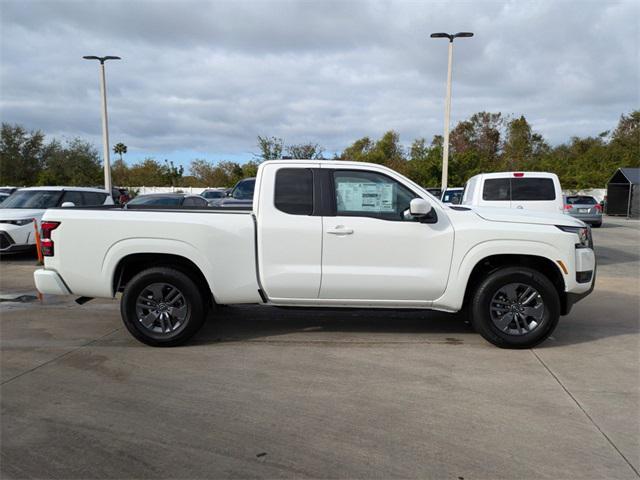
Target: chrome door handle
<point>340,230</point>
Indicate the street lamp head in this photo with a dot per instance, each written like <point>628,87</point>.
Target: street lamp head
<point>442,35</point>
<point>101,59</point>
<point>463,34</point>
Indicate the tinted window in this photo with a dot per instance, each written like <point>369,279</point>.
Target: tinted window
<point>369,194</point>
<point>94,198</point>
<point>194,202</point>
<point>496,189</point>
<point>33,199</point>
<point>213,194</point>
<point>294,191</point>
<point>532,189</point>
<point>580,200</point>
<point>73,196</point>
<point>244,189</point>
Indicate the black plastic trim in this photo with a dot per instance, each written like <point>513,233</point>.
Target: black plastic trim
<point>572,298</point>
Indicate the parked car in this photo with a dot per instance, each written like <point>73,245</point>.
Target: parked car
<point>324,234</point>
<point>168,200</point>
<point>18,212</point>
<point>453,195</point>
<point>8,190</point>
<point>436,192</point>
<point>241,195</point>
<point>214,195</point>
<point>120,195</point>
<point>523,190</point>
<point>584,207</point>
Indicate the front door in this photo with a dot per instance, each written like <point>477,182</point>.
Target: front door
<point>372,250</point>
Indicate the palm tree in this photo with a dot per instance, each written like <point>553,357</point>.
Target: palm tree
<point>120,148</point>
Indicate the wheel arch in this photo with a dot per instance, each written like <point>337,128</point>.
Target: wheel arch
<point>491,263</point>
<point>134,263</point>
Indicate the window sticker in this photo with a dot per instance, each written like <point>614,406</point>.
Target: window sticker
<point>366,197</point>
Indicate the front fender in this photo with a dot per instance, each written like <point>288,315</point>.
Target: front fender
<point>453,297</point>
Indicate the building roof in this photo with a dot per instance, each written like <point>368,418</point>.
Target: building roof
<point>632,174</point>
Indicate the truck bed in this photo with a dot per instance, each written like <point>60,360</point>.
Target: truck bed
<point>90,243</point>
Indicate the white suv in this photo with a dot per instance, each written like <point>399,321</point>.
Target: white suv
<point>524,190</point>
<point>26,205</point>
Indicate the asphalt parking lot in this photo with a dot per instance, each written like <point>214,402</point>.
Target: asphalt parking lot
<point>271,393</point>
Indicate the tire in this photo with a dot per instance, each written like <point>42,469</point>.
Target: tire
<point>162,307</point>
<point>597,225</point>
<point>500,314</point>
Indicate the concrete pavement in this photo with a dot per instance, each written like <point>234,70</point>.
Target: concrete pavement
<point>266,392</point>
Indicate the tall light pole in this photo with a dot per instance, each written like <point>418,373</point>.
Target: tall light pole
<point>447,104</point>
<point>105,124</point>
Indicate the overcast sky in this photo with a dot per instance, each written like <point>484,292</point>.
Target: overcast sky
<point>203,79</point>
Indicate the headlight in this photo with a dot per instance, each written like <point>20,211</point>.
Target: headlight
<point>583,233</point>
<point>22,221</point>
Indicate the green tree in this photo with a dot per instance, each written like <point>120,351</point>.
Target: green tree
<point>120,173</point>
<point>21,155</point>
<point>171,173</point>
<point>522,146</point>
<point>76,163</point>
<point>270,148</point>
<point>120,149</point>
<point>305,151</point>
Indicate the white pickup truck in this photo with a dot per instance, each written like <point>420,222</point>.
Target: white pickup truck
<point>323,234</point>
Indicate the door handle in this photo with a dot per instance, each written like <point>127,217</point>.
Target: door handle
<point>340,230</point>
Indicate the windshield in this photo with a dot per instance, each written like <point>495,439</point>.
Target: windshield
<point>453,196</point>
<point>213,194</point>
<point>244,189</point>
<point>153,200</point>
<point>579,200</point>
<point>38,199</point>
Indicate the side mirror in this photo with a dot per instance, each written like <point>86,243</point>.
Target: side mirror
<point>419,207</point>
<point>67,204</point>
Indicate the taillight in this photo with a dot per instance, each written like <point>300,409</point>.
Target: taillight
<point>518,174</point>
<point>46,244</point>
<point>598,207</point>
<point>568,207</point>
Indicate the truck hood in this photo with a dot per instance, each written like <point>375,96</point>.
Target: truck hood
<point>513,215</point>
<point>20,213</point>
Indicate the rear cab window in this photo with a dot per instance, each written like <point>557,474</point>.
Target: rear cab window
<point>532,189</point>
<point>497,189</point>
<point>294,191</point>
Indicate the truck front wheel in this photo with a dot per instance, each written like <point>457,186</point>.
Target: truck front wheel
<point>515,307</point>
<point>162,307</point>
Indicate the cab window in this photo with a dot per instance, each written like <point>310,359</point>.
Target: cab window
<point>497,189</point>
<point>73,196</point>
<point>294,191</point>
<point>370,194</point>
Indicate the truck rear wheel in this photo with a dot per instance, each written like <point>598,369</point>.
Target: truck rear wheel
<point>515,307</point>
<point>162,307</point>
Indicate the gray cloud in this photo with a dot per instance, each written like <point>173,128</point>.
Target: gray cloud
<point>210,76</point>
